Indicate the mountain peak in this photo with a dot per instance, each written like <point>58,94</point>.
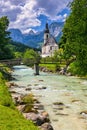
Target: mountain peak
<point>31,32</point>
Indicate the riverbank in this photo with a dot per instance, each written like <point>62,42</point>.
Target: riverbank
<point>10,117</point>
<point>54,68</point>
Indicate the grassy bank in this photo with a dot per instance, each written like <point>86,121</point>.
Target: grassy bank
<point>51,67</point>
<point>10,118</point>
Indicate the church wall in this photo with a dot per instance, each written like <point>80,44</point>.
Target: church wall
<point>43,50</point>
<point>46,36</point>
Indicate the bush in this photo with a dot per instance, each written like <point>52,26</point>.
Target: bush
<point>57,67</point>
<point>29,101</point>
<point>75,70</point>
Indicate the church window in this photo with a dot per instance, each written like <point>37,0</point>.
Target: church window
<point>47,35</point>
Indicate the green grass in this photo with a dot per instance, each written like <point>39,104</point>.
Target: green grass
<point>54,67</point>
<point>49,66</point>
<point>10,118</point>
<point>5,98</point>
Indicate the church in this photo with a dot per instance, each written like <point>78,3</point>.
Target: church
<point>50,44</point>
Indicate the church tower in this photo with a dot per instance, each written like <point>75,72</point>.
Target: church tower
<point>46,33</point>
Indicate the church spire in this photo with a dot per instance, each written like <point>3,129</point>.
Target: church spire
<point>46,28</point>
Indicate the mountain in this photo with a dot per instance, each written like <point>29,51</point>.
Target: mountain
<point>35,40</point>
<point>55,28</point>
<point>16,35</point>
<point>31,32</point>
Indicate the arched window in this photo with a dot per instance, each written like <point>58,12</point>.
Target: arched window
<point>47,35</point>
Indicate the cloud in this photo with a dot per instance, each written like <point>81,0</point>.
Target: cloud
<point>27,18</point>
<point>7,9</point>
<point>51,8</point>
<point>18,2</point>
<point>24,14</point>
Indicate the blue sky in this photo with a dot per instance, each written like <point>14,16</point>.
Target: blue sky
<point>33,14</point>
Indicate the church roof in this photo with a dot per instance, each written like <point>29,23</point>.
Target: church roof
<point>51,41</point>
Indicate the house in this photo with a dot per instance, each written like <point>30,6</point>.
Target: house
<point>50,44</point>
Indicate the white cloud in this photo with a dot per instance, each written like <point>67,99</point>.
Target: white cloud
<point>24,14</point>
<point>51,8</point>
<point>27,18</point>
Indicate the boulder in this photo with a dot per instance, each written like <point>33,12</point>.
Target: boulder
<point>36,118</point>
<point>28,89</point>
<point>46,126</point>
<point>20,107</point>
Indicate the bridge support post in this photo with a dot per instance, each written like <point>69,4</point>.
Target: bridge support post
<point>36,68</point>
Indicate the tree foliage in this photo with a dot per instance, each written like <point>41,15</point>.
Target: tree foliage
<point>31,57</point>
<point>74,39</point>
<point>5,52</point>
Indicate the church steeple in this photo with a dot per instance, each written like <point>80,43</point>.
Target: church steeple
<point>46,28</point>
<point>46,33</point>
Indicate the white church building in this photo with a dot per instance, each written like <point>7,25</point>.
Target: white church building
<point>50,44</point>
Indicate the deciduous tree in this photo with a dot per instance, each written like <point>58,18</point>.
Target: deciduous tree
<point>5,52</point>
<point>74,39</point>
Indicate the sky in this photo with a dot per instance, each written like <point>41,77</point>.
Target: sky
<point>33,14</point>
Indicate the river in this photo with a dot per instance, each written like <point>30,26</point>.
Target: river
<point>64,98</point>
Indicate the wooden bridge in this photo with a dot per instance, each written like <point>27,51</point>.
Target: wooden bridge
<point>11,62</point>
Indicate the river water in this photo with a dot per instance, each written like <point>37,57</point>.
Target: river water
<point>64,98</point>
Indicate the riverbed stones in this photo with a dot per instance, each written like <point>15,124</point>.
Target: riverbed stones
<point>62,114</point>
<point>20,107</point>
<point>37,118</point>
<point>29,85</point>
<point>41,88</point>
<point>28,89</point>
<point>58,106</point>
<point>46,126</point>
<point>76,101</point>
<point>11,84</point>
<point>41,80</point>
<point>84,114</point>
<point>36,113</point>
<point>58,103</point>
<point>38,106</point>
<point>12,91</point>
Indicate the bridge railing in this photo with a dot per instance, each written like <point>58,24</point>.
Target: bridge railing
<point>10,62</point>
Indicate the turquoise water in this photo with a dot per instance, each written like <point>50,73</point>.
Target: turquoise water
<point>68,90</point>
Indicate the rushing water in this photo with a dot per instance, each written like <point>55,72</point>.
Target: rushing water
<point>64,98</point>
